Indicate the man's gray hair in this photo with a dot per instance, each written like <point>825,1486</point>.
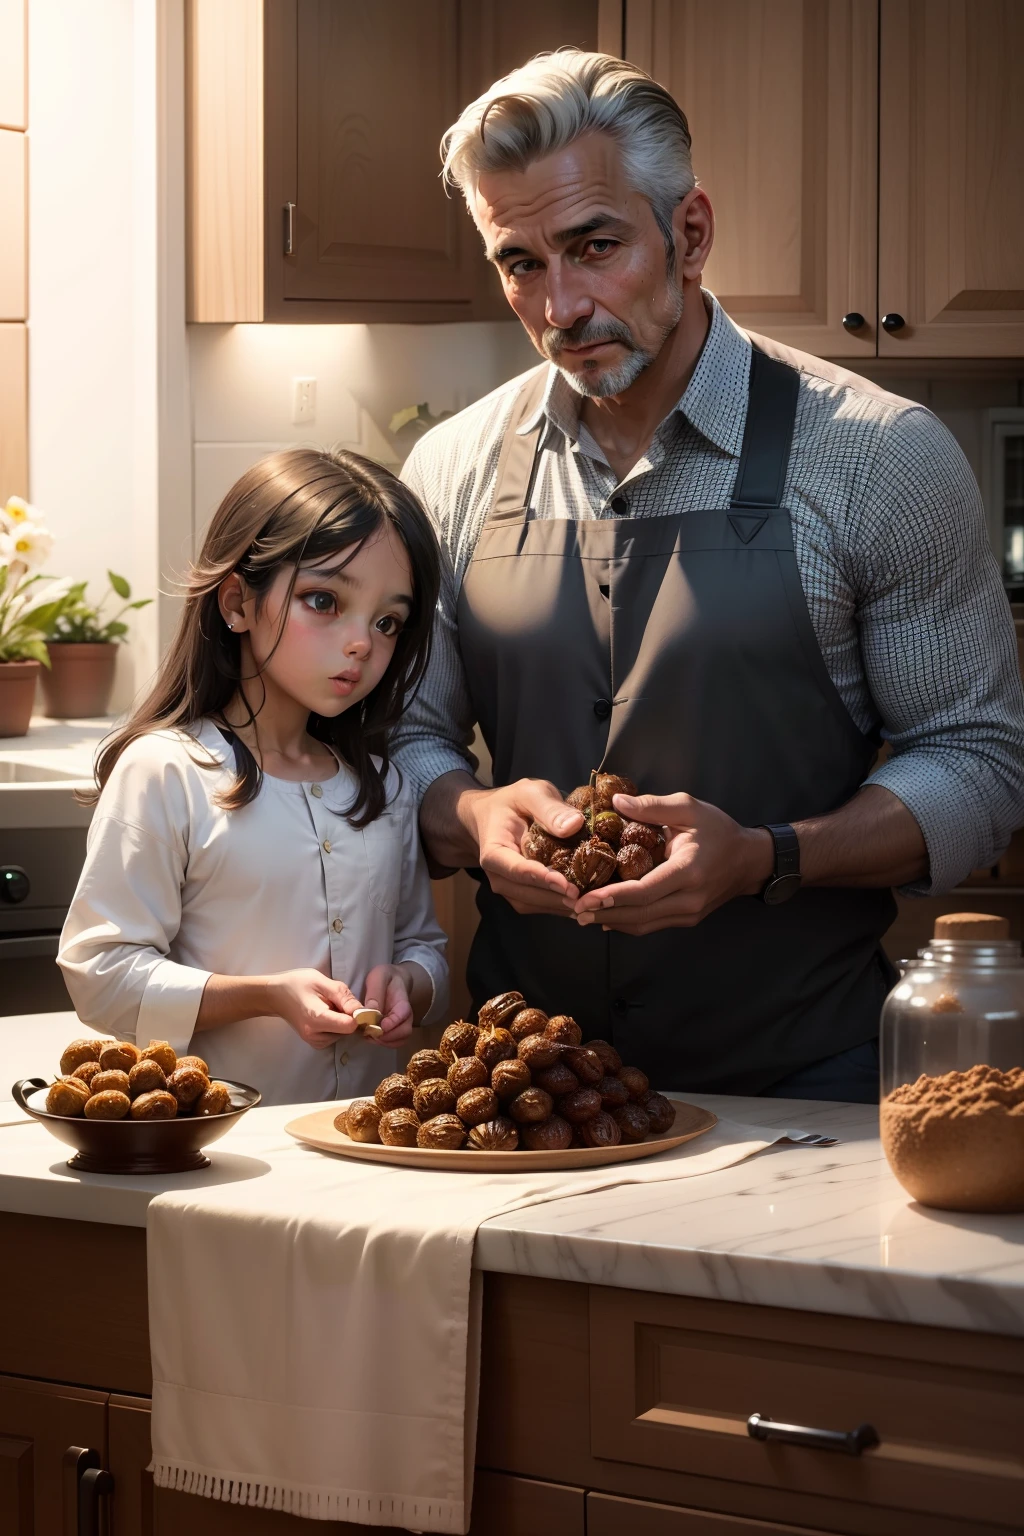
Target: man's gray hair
<point>555,98</point>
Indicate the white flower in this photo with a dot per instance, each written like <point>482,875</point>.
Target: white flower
<point>30,543</point>
<point>16,512</point>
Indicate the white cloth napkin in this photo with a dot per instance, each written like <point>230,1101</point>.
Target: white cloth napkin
<point>315,1331</point>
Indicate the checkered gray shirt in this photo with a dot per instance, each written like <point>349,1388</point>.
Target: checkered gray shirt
<point>889,532</point>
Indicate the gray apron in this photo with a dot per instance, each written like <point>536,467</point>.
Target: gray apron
<point>679,651</point>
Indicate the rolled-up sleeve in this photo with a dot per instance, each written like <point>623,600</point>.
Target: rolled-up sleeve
<point>418,935</point>
<point>434,734</point>
<point>939,651</point>
<point>115,946</point>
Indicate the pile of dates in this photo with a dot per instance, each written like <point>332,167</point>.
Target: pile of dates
<point>607,847</point>
<point>516,1079</point>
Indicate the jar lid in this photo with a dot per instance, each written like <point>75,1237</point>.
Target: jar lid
<point>980,926</point>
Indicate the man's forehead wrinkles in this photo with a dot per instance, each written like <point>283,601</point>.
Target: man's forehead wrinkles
<point>554,209</point>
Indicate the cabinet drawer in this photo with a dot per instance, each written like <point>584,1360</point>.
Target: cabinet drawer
<point>673,1383</point>
<point>522,1506</point>
<point>608,1516</point>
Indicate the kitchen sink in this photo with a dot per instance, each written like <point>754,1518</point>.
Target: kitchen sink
<point>35,773</point>
<point>36,795</point>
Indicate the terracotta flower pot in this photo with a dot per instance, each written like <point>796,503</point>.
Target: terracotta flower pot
<point>17,694</point>
<point>80,680</point>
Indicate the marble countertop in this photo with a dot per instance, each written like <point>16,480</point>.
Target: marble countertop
<point>820,1229</point>
<point>67,745</point>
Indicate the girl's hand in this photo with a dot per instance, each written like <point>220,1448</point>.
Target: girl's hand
<point>387,988</point>
<point>318,1008</point>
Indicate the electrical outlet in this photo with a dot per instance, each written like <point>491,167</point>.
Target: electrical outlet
<point>303,400</point>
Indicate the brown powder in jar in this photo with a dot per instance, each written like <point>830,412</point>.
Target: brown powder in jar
<point>957,1141</point>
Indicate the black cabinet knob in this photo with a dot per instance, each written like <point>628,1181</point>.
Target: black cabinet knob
<point>892,323</point>
<point>853,321</point>
<point>15,885</point>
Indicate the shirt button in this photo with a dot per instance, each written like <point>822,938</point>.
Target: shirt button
<point>315,789</point>
<point>326,845</point>
<point>344,1058</point>
<point>337,925</point>
<point>620,506</point>
<point>602,708</point>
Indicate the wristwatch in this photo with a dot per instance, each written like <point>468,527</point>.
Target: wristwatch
<point>785,880</point>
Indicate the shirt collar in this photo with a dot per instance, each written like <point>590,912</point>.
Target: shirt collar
<point>714,401</point>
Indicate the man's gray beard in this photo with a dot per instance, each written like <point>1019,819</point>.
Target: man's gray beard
<point>616,380</point>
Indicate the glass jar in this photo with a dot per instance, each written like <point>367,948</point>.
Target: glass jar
<point>952,1068</point>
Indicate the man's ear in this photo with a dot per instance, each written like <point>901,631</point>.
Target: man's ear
<point>231,602</point>
<point>693,224</point>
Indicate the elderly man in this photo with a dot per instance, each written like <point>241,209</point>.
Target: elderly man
<point>723,569</point>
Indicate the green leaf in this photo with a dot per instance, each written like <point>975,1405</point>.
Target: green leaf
<point>44,615</point>
<point>28,650</point>
<point>119,585</point>
<point>113,631</point>
<point>143,602</point>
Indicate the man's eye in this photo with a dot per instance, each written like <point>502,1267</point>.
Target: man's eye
<point>523,268</point>
<point>320,602</point>
<point>388,625</point>
<point>601,247</point>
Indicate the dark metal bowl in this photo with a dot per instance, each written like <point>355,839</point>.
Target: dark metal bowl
<point>134,1146</point>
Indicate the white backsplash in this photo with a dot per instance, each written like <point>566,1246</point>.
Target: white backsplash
<point>242,387</point>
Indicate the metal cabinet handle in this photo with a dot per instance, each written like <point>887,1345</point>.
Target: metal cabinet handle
<point>854,321</point>
<point>96,1482</point>
<point>892,323</point>
<point>90,1482</point>
<point>289,228</point>
<point>849,1442</point>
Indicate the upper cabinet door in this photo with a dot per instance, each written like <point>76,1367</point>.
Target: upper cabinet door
<point>357,97</point>
<point>782,101</point>
<point>951,237</point>
<point>376,86</point>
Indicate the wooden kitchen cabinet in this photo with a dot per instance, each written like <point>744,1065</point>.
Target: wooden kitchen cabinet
<point>13,71</point>
<point>14,223</point>
<point>782,101</point>
<point>313,165</point>
<point>605,1411</point>
<point>13,411</point>
<point>792,105</point>
<point>607,1516</point>
<point>39,1421</point>
<point>951,169</point>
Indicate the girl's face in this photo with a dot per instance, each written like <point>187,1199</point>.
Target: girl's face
<point>340,630</point>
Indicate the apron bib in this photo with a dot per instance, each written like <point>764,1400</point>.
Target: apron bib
<point>679,651</point>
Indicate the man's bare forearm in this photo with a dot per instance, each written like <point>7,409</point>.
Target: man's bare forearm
<point>873,840</point>
<point>446,831</point>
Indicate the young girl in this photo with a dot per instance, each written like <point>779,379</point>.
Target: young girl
<point>254,873</point>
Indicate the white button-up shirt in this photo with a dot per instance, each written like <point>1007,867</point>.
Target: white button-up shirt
<point>175,888</point>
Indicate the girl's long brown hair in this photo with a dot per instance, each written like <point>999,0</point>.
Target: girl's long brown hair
<point>298,506</point>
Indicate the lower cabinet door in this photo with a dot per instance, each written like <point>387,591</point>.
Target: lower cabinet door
<point>131,1508</point>
<point>39,1423</point>
<point>521,1506</point>
<point>608,1516</point>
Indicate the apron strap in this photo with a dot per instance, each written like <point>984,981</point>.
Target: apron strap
<point>514,478</point>
<point>768,434</point>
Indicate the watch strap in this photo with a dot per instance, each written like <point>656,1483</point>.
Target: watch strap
<point>787,848</point>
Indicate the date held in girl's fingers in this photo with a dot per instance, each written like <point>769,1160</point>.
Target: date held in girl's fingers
<point>368,1022</point>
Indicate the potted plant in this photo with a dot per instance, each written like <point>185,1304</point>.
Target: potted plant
<point>27,610</point>
<point>82,646</point>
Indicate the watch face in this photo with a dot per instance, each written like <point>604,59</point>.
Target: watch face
<point>781,889</point>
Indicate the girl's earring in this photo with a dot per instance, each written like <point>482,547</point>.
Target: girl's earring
<point>230,626</point>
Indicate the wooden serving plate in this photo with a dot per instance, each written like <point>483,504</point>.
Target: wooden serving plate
<point>318,1130</point>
